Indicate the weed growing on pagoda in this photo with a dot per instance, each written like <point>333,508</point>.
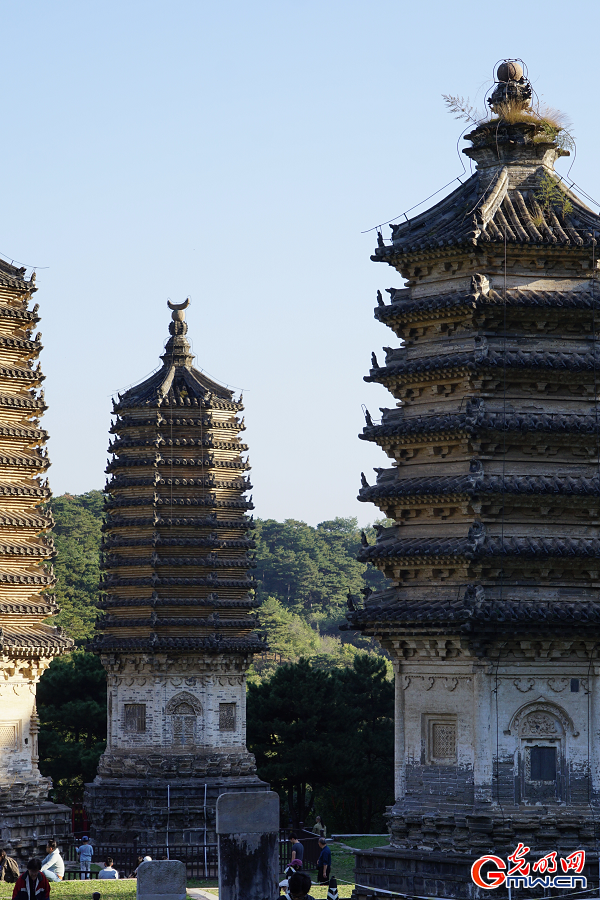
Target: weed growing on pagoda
<point>551,198</point>
<point>552,125</point>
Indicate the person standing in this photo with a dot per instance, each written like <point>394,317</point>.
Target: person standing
<point>297,848</point>
<point>53,866</point>
<point>9,868</point>
<point>86,853</point>
<point>318,828</point>
<point>324,862</point>
<point>32,884</point>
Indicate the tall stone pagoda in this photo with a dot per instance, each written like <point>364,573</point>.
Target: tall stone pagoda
<point>27,643</point>
<point>177,634</point>
<point>492,613</point>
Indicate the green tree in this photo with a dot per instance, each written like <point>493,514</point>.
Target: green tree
<point>325,741</point>
<point>364,697</point>
<point>288,723</point>
<point>312,570</point>
<point>77,535</point>
<point>71,703</point>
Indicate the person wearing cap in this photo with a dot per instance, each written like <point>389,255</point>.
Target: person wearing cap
<point>86,853</point>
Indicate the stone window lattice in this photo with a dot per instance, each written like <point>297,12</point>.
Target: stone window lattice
<point>226,716</point>
<point>9,736</point>
<point>135,718</point>
<point>184,725</point>
<point>444,741</point>
<point>440,738</point>
<point>183,711</point>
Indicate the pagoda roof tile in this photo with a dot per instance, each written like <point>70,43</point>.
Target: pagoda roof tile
<point>155,623</point>
<point>211,600</point>
<point>33,637</point>
<point>483,211</point>
<point>573,361</point>
<point>114,520</point>
<point>212,541</point>
<point>470,611</point>
<point>473,484</point>
<point>154,580</point>
<point>475,419</point>
<point>212,644</point>
<point>17,402</point>
<point>113,561</point>
<point>473,546</point>
<point>404,306</point>
<point>13,312</point>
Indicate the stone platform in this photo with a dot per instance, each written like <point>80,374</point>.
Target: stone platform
<point>24,829</point>
<point>426,873</point>
<point>134,810</point>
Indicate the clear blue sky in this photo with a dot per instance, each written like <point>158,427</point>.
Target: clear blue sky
<point>234,152</point>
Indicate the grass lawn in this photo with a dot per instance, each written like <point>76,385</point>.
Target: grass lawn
<point>62,890</point>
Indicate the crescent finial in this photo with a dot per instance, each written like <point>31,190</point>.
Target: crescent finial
<point>183,305</point>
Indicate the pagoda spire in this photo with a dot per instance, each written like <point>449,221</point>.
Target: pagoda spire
<point>177,349</point>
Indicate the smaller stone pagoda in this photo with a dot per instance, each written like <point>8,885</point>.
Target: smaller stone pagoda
<point>177,634</point>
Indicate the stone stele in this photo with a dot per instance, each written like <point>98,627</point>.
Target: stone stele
<point>248,833</point>
<point>163,879</point>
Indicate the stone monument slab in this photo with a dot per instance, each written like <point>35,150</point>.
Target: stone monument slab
<point>161,879</point>
<point>250,812</point>
<point>248,835</point>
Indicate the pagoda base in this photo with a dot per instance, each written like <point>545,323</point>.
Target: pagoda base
<point>156,811</point>
<point>497,831</point>
<point>424,873</point>
<point>432,855</point>
<point>26,827</point>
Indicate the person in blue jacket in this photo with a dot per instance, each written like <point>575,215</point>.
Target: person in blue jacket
<point>324,862</point>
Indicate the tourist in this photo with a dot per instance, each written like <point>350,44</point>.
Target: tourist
<point>140,860</point>
<point>299,886</point>
<point>53,865</point>
<point>319,828</point>
<point>9,868</point>
<point>96,895</point>
<point>323,862</point>
<point>32,884</point>
<point>108,871</point>
<point>297,848</point>
<point>86,852</point>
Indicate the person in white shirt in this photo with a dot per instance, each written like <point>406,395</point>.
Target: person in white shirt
<point>108,871</point>
<point>53,865</point>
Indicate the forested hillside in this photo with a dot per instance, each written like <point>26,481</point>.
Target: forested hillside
<point>336,757</point>
<point>303,573</point>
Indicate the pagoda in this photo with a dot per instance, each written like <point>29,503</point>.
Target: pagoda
<point>177,632</point>
<point>27,643</point>
<point>492,611</point>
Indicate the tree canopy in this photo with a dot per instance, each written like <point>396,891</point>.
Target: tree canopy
<point>71,704</point>
<point>325,741</point>
<point>77,535</point>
